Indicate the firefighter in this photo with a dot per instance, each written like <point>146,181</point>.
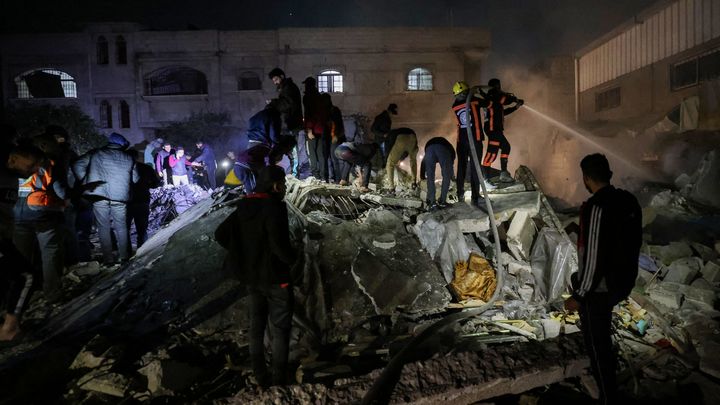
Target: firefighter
<point>495,102</point>
<point>468,117</point>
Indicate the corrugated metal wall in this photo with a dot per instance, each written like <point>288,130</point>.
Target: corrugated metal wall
<point>679,26</point>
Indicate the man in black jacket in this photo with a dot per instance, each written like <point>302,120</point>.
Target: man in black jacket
<point>437,151</point>
<point>138,210</point>
<point>381,126</point>
<point>608,250</point>
<point>289,103</point>
<point>112,171</point>
<point>257,238</point>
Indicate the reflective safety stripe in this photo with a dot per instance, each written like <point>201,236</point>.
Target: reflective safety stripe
<point>504,156</point>
<point>495,143</point>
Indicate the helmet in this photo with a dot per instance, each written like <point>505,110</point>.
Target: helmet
<point>460,87</point>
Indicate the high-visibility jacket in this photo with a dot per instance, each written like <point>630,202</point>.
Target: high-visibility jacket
<point>39,192</point>
<point>495,103</point>
<point>473,120</point>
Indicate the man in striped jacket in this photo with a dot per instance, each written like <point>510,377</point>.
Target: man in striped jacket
<point>608,250</point>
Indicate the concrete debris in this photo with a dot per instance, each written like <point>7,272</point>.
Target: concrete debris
<point>704,186</point>
<point>506,205</point>
<point>392,201</point>
<point>520,235</point>
<point>704,252</point>
<point>384,241</point>
<point>97,352</point>
<point>683,270</point>
<point>164,377</point>
<point>669,253</point>
<point>709,359</point>
<point>167,202</point>
<point>666,294</point>
<point>105,382</point>
<point>711,271</point>
<point>551,328</point>
<point>85,269</point>
<point>700,297</point>
<point>702,284</point>
<point>553,259</point>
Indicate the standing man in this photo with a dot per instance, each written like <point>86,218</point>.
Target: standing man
<point>468,117</point>
<point>401,143</point>
<point>107,175</point>
<point>257,239</point>
<point>148,156</point>
<point>608,251</point>
<point>139,206</point>
<point>289,104</point>
<point>437,151</point>
<point>381,127</point>
<point>495,102</point>
<point>179,163</point>
<point>162,165</point>
<point>318,108</point>
<point>337,134</point>
<point>207,160</point>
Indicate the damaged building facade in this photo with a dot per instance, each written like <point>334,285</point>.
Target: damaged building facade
<point>663,58</point>
<point>135,81</point>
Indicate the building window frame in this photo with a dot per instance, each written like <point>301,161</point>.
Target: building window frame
<point>102,51</point>
<point>105,120</point>
<point>419,78</point>
<point>67,82</point>
<point>697,69</point>
<point>120,50</point>
<point>608,99</point>
<point>249,80</point>
<point>124,114</point>
<point>330,81</point>
<point>175,80</point>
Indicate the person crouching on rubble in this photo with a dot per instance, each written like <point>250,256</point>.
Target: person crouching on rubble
<point>260,254</point>
<point>353,154</point>
<point>437,151</point>
<point>608,251</point>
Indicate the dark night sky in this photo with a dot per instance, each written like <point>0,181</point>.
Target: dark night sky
<point>523,31</point>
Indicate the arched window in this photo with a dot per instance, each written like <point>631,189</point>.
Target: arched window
<point>105,114</point>
<point>120,50</point>
<point>330,81</point>
<point>45,83</point>
<point>102,51</point>
<point>124,114</point>
<point>175,80</point>
<point>249,81</point>
<point>419,79</point>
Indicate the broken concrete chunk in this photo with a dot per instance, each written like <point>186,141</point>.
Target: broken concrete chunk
<point>682,180</point>
<point>551,328</point>
<point>702,298</point>
<point>706,187</point>
<point>505,205</point>
<point>168,376</point>
<point>709,359</point>
<point>102,381</point>
<point>95,353</point>
<point>667,294</point>
<point>702,284</point>
<point>706,253</point>
<point>86,269</point>
<point>520,235</point>
<point>683,270</point>
<point>669,253</point>
<point>711,272</point>
<point>392,201</point>
<point>384,241</point>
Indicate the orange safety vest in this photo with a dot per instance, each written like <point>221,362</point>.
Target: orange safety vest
<point>36,189</point>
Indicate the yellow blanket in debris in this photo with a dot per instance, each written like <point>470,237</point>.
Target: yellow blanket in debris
<point>474,279</point>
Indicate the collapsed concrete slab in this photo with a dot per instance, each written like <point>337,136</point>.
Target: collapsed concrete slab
<point>711,272</point>
<point>520,235</point>
<point>705,187</point>
<point>683,270</point>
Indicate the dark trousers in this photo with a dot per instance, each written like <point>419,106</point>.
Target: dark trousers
<point>318,149</point>
<point>435,154</point>
<point>270,307</point>
<point>71,237</point>
<point>140,214</point>
<point>596,317</point>
<point>16,278</point>
<point>48,237</point>
<point>111,217</point>
<point>212,180</point>
<point>465,159</point>
<point>83,225</point>
<point>335,164</point>
<point>301,157</point>
<point>497,143</point>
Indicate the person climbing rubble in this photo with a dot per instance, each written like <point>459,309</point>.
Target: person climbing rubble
<point>381,126</point>
<point>461,111</point>
<point>437,151</point>
<point>495,102</point>
<point>608,252</point>
<point>401,143</point>
<point>257,238</point>
<point>352,155</point>
<point>108,174</point>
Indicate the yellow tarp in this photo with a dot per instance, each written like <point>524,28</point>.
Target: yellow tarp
<point>474,279</point>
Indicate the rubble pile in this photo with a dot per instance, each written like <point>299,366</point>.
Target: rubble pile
<point>376,272</point>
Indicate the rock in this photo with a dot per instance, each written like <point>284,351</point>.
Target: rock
<point>702,284</point>
<point>105,382</point>
<point>682,180</point>
<point>505,205</point>
<point>392,201</point>
<point>97,352</point>
<point>551,328</point>
<point>709,359</point>
<point>384,241</point>
<point>711,272</point>
<point>86,269</point>
<point>526,292</point>
<point>706,187</point>
<point>520,235</point>
<point>165,377</point>
<point>683,270</point>
<point>667,294</point>
<point>669,253</point>
<point>702,298</point>
<point>705,253</point>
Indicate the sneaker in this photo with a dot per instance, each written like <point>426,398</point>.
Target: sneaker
<point>505,177</point>
<point>489,186</point>
<point>433,207</point>
<point>442,204</point>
